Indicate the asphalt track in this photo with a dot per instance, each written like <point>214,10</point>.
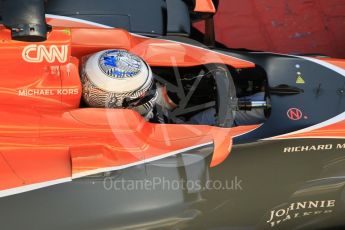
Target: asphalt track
<point>284,26</point>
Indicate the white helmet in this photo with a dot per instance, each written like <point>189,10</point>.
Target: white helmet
<point>118,79</point>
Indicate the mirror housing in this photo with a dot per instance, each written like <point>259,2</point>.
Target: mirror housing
<point>25,19</point>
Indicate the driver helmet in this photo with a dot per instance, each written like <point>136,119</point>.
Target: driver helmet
<point>118,79</point>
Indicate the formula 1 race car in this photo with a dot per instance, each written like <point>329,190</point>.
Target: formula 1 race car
<point>75,153</point>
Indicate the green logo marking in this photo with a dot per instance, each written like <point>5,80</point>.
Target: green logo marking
<point>67,31</point>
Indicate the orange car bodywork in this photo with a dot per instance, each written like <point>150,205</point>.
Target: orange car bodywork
<point>204,6</point>
<point>334,61</point>
<point>336,130</point>
<point>45,138</point>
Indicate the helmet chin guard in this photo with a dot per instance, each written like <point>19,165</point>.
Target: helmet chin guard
<point>118,79</point>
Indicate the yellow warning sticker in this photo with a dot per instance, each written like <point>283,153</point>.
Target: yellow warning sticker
<point>300,80</point>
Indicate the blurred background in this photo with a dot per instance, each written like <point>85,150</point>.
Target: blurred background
<point>287,26</point>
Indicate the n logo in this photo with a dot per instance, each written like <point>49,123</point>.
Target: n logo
<point>294,114</point>
<point>40,53</point>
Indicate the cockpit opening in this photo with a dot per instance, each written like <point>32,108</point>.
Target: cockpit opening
<point>213,94</point>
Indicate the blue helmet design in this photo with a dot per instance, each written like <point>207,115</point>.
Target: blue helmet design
<point>120,64</point>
